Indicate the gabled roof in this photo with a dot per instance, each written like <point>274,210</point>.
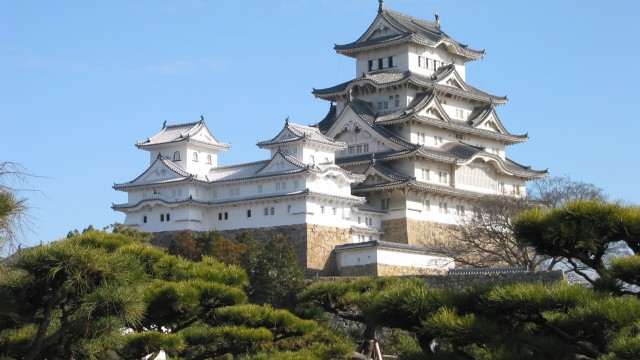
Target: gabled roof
<point>290,164</point>
<point>458,153</point>
<point>194,132</point>
<point>173,173</point>
<point>354,200</point>
<point>387,78</point>
<point>294,133</point>
<point>405,29</point>
<point>394,180</point>
<point>364,111</point>
<point>486,113</point>
<point>415,112</point>
<point>328,120</point>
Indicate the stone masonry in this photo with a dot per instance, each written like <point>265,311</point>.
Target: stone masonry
<point>313,244</point>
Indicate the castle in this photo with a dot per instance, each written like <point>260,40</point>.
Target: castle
<point>406,146</point>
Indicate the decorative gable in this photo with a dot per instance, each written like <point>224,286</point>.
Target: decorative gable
<point>454,80</point>
<point>433,109</point>
<point>379,28</point>
<point>491,122</point>
<point>280,163</point>
<point>351,128</point>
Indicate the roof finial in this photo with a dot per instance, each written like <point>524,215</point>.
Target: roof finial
<point>437,19</point>
<point>164,124</point>
<point>286,121</point>
<point>201,117</point>
<point>381,4</point>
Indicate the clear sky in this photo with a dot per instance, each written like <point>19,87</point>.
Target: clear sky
<point>82,81</point>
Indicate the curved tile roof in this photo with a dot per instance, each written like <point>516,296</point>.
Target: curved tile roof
<point>301,132</point>
<point>393,246</point>
<point>450,153</point>
<point>386,78</point>
<point>190,200</point>
<point>410,29</point>
<point>181,175</point>
<point>182,132</point>
<point>329,119</point>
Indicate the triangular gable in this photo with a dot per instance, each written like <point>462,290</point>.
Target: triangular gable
<point>491,122</point>
<point>432,109</point>
<point>203,134</point>
<point>373,175</point>
<point>285,134</point>
<point>279,163</point>
<point>160,170</point>
<point>379,28</point>
<point>350,127</point>
<point>453,79</point>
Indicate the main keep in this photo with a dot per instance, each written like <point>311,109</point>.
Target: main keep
<point>406,147</point>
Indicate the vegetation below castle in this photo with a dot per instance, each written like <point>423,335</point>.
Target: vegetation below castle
<point>100,294</point>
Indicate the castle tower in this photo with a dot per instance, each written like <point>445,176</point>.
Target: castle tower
<point>430,145</point>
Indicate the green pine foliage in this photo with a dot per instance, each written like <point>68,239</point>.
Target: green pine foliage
<point>584,233</point>
<point>517,321</point>
<point>75,298</point>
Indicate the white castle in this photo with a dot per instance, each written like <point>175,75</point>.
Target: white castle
<point>406,145</point>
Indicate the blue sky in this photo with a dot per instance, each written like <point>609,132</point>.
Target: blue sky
<point>82,81</point>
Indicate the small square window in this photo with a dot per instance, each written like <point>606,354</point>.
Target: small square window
<point>168,217</point>
<point>272,210</point>
<point>266,211</point>
<point>161,217</point>
<point>144,219</point>
<point>219,216</point>
<point>249,213</point>
<point>226,215</point>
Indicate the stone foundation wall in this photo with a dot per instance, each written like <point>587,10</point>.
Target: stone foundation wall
<point>387,270</point>
<point>414,232</point>
<point>313,244</point>
<point>320,243</point>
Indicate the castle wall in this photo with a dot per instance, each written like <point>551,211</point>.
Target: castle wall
<point>377,269</point>
<point>415,232</point>
<point>313,244</point>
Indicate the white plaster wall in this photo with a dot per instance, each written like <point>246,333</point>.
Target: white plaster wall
<point>186,162</point>
<point>357,257</point>
<point>440,53</point>
<point>390,257</point>
<point>319,156</point>
<point>400,59</point>
<point>373,255</point>
<point>321,213</point>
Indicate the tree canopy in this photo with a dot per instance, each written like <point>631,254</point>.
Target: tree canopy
<point>584,232</point>
<point>274,275</point>
<point>14,219</point>
<point>487,238</point>
<point>517,321</point>
<point>78,297</point>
